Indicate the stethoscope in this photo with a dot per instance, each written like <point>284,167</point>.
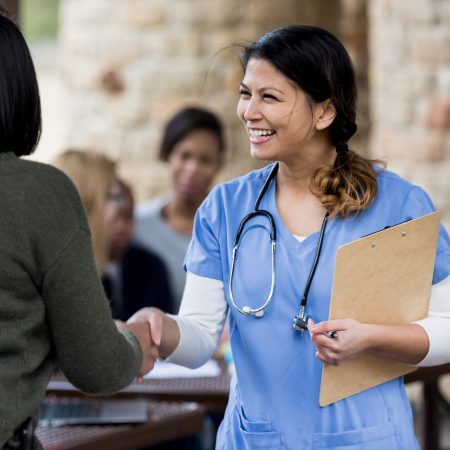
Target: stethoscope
<point>301,319</point>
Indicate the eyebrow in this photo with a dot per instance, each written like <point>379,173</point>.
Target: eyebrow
<point>264,88</point>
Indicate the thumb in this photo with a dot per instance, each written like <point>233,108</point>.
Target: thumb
<point>156,327</point>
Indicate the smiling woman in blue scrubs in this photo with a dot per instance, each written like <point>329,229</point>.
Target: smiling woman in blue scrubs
<point>297,103</point>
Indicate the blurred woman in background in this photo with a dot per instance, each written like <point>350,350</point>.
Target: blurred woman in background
<point>133,277</point>
<point>93,175</point>
<point>193,146</point>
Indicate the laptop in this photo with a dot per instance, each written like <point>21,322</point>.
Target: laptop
<point>53,413</point>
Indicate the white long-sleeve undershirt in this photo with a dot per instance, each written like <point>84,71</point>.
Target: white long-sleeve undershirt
<point>204,308</point>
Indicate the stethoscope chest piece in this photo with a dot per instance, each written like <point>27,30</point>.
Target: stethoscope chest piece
<point>251,312</point>
<point>300,322</point>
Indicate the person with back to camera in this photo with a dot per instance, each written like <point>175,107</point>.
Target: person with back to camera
<point>297,104</point>
<point>133,277</point>
<point>193,146</point>
<point>52,306</point>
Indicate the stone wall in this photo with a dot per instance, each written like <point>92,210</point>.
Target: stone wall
<point>128,65</point>
<point>410,91</point>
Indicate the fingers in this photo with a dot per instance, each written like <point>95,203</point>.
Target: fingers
<point>139,316</point>
<point>328,325</point>
<point>156,328</point>
<point>327,359</point>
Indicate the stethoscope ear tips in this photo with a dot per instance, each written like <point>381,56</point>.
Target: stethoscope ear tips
<point>259,313</point>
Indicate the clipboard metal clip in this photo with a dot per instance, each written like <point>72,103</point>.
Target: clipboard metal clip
<point>385,228</point>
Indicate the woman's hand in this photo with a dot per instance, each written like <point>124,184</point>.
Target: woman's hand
<point>164,330</point>
<point>352,338</point>
<point>148,340</point>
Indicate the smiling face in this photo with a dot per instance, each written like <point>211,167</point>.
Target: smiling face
<point>194,162</point>
<point>279,117</point>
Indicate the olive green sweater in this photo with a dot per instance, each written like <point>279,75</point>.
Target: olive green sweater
<point>52,306</point>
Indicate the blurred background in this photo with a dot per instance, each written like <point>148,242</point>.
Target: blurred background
<point>111,72</point>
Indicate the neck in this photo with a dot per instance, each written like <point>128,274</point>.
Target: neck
<point>298,172</point>
<point>180,212</point>
<point>183,207</point>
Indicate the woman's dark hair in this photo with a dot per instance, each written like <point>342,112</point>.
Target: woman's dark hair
<point>20,107</point>
<point>185,122</point>
<point>320,66</point>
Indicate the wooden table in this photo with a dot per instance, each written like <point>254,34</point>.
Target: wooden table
<point>168,421</point>
<point>212,392</point>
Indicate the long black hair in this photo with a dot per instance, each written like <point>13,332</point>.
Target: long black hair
<point>317,62</point>
<point>20,106</point>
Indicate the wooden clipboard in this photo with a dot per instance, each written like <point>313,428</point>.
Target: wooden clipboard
<point>383,278</point>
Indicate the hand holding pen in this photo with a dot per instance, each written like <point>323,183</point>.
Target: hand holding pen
<point>338,341</point>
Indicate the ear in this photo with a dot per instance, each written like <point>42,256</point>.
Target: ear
<point>326,112</point>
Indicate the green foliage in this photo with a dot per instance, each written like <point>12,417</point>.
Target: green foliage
<point>39,19</point>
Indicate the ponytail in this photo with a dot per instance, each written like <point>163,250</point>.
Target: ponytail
<point>350,186</point>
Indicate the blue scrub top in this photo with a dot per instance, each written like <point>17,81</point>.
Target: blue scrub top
<point>274,399</point>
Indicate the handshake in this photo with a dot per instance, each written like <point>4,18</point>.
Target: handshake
<point>147,325</point>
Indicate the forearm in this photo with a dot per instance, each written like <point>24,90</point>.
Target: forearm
<point>89,349</point>
<point>200,321</point>
<point>405,343</point>
<point>170,338</point>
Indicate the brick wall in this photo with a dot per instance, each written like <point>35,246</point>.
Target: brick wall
<point>128,65</point>
<point>410,91</point>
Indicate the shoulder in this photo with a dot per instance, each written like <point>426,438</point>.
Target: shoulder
<point>44,177</point>
<point>150,208</point>
<point>402,195</point>
<point>48,192</point>
<point>249,184</point>
<point>392,186</point>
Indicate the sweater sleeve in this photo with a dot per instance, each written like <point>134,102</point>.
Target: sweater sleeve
<point>91,352</point>
<point>89,349</point>
<point>437,325</point>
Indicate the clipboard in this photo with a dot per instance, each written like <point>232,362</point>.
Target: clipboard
<point>383,278</point>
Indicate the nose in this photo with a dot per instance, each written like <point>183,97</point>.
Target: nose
<point>251,110</point>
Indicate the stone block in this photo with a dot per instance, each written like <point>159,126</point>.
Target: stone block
<point>411,146</point>
<point>417,11</point>
<point>143,13</point>
<point>443,82</point>
<point>438,116</point>
<point>87,11</point>
<point>430,45</point>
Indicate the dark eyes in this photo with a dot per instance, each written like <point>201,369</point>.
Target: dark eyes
<point>244,93</point>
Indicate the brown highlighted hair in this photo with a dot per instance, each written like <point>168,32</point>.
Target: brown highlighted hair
<point>320,66</point>
<point>93,175</point>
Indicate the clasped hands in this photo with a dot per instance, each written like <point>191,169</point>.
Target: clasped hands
<point>147,326</point>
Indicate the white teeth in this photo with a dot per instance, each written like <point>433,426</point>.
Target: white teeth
<point>259,133</point>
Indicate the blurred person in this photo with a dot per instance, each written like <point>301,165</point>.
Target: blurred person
<point>133,277</point>
<point>52,307</point>
<point>193,146</point>
<point>93,175</point>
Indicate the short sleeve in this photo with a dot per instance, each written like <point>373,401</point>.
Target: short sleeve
<point>417,204</point>
<point>203,256</point>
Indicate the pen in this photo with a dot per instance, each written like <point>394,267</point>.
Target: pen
<point>331,334</point>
